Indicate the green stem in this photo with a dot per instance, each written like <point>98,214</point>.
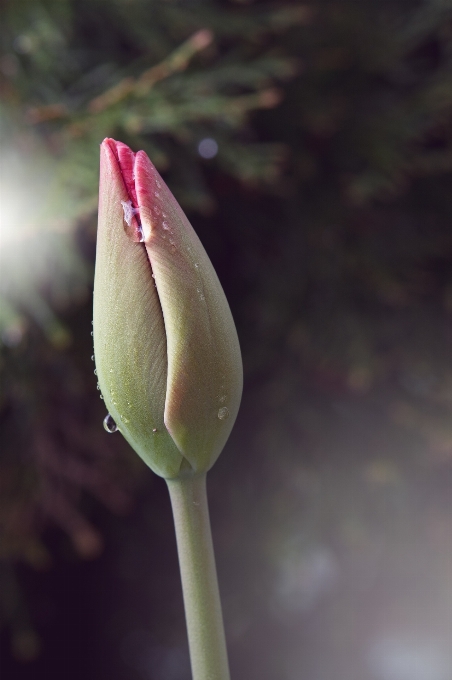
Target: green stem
<point>206,638</point>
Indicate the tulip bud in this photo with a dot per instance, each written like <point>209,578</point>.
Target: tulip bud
<point>166,349</point>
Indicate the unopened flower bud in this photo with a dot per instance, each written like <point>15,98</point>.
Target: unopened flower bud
<point>166,349</point>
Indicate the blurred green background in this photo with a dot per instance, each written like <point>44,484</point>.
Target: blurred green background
<point>310,143</point>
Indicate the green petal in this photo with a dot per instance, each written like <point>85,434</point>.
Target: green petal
<point>129,332</point>
<point>204,383</point>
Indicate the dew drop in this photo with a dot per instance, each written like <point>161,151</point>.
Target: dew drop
<point>92,333</point>
<point>131,222</point>
<point>156,194</point>
<point>165,225</point>
<point>111,370</point>
<point>158,184</point>
<point>95,372</point>
<point>196,265</point>
<point>154,430</point>
<point>156,209</point>
<point>92,358</point>
<point>98,386</point>
<point>109,424</point>
<point>128,211</point>
<point>223,413</point>
<point>222,399</point>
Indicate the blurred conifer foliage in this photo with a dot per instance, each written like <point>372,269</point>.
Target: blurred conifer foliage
<point>335,202</point>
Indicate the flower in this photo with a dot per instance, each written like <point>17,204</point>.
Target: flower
<point>166,348</point>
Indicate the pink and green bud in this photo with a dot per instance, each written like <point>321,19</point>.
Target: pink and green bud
<point>166,349</point>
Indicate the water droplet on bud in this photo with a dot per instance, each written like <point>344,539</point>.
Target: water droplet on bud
<point>131,222</point>
<point>223,413</point>
<point>109,424</point>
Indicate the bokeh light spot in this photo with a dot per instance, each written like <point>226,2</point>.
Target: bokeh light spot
<point>207,148</point>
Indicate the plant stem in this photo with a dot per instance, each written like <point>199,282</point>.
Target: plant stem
<point>206,638</point>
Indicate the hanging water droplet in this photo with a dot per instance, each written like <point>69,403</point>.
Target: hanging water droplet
<point>92,333</point>
<point>92,323</point>
<point>98,386</point>
<point>92,357</point>
<point>131,222</point>
<point>223,413</point>
<point>95,372</point>
<point>109,424</point>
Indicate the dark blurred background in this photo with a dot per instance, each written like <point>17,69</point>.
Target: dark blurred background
<point>310,143</point>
